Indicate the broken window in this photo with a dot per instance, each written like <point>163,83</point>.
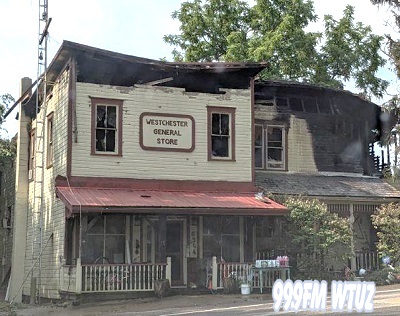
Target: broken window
<point>221,121</point>
<point>107,133</point>
<point>50,147</point>
<point>269,147</point>
<point>296,104</point>
<point>310,105</point>
<point>281,102</point>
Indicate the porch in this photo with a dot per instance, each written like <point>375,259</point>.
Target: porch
<point>142,277</point>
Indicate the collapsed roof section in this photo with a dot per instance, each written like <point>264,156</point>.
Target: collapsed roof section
<point>99,66</point>
<point>330,101</point>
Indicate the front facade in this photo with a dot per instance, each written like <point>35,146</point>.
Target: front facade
<point>134,170</point>
<point>137,170</point>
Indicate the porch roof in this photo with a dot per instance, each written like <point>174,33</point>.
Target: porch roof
<point>112,200</point>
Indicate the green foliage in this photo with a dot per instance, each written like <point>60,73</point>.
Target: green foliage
<point>350,51</point>
<point>8,147</point>
<point>274,31</point>
<point>387,221</point>
<point>393,44</point>
<point>206,27</point>
<point>315,232</point>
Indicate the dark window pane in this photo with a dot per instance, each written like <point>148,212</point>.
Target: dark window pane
<point>310,105</point>
<point>110,140</point>
<point>115,224</point>
<point>101,116</point>
<point>324,107</point>
<point>100,140</point>
<point>115,248</point>
<point>216,120</point>
<point>111,117</point>
<point>258,158</point>
<point>230,225</point>
<point>224,124</point>
<point>296,104</point>
<point>281,102</point>
<point>92,248</point>
<point>274,135</point>
<point>230,245</point>
<point>258,135</point>
<point>220,146</point>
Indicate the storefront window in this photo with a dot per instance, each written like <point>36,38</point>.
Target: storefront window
<point>104,239</point>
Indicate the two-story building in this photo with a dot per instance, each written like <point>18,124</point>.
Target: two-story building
<point>132,170</point>
<point>318,142</point>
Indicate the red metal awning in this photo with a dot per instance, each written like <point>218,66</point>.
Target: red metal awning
<point>104,200</point>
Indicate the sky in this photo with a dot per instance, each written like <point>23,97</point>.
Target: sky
<point>133,27</point>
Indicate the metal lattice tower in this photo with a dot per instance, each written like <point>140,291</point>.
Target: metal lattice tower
<point>39,160</point>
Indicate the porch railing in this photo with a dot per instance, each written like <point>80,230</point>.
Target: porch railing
<point>243,272</point>
<point>367,260</point>
<point>113,277</point>
<point>68,278</point>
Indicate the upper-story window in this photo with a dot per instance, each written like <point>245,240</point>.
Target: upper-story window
<point>106,127</point>
<point>270,147</point>
<point>221,127</point>
<point>50,144</point>
<point>32,152</point>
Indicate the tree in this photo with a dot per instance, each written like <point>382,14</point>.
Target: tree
<point>393,44</point>
<point>392,106</point>
<point>205,28</point>
<point>387,221</point>
<point>315,233</point>
<point>7,146</point>
<point>274,31</point>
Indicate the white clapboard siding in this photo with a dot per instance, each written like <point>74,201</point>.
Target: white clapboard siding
<point>53,208</point>
<point>144,164</point>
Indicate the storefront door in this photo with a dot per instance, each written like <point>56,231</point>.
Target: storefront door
<point>174,248</point>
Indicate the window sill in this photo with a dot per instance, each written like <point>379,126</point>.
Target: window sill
<point>98,154</point>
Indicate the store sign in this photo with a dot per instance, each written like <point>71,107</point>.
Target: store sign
<point>168,132</point>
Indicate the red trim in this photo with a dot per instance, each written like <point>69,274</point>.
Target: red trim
<point>150,184</point>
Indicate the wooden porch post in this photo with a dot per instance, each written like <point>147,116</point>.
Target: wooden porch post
<point>352,246</point>
<point>214,272</point>
<point>162,239</point>
<point>78,288</point>
<point>168,270</point>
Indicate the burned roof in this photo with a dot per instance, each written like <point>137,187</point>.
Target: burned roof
<point>101,66</point>
<point>328,186</point>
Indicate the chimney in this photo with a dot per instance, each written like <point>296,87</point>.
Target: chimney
<point>25,85</point>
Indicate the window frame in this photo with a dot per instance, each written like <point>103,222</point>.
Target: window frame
<point>50,140</point>
<point>31,154</point>
<point>95,102</point>
<point>231,136</point>
<point>264,147</point>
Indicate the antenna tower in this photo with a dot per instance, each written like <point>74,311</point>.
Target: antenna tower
<point>39,160</point>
